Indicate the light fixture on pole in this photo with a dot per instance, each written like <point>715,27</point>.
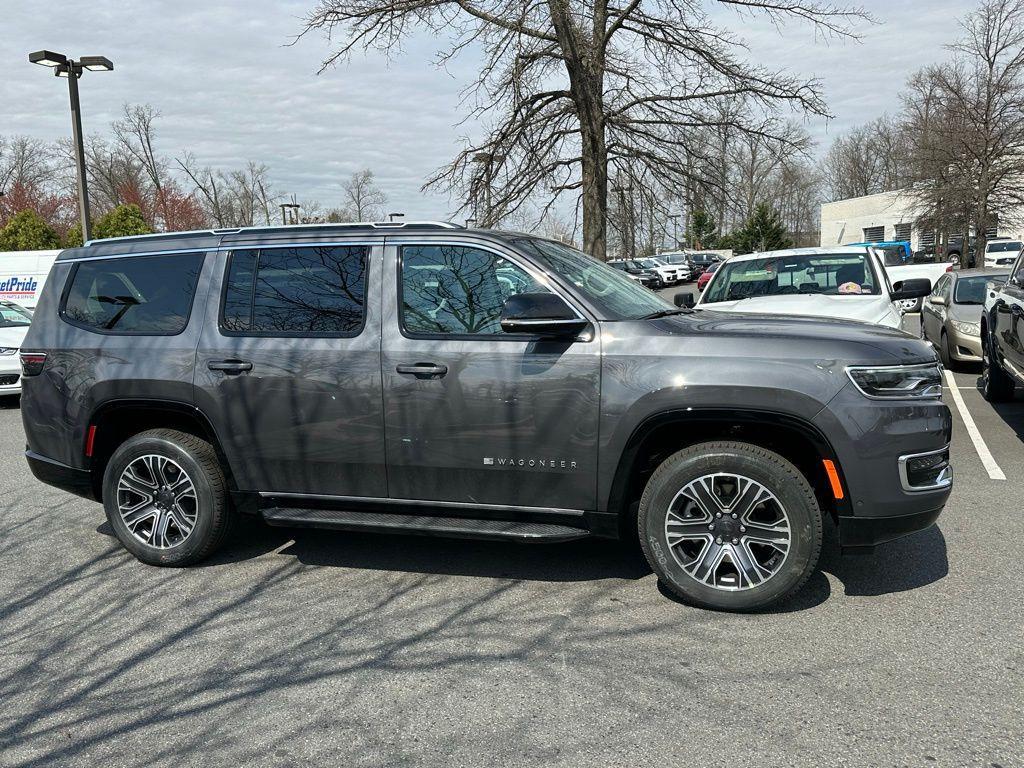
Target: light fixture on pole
<point>64,67</point>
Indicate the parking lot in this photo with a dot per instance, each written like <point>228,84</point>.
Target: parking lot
<point>315,648</point>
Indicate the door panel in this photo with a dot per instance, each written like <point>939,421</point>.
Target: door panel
<point>511,421</point>
<point>297,413</point>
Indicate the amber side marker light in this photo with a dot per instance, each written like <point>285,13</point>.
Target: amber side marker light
<point>833,478</point>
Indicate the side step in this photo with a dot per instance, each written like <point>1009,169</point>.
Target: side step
<point>426,525</point>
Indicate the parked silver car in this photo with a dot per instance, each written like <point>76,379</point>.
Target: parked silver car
<point>951,315</point>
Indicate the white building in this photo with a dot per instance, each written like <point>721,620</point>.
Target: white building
<point>873,218</point>
<point>885,216</point>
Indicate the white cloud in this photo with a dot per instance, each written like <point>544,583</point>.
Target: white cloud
<point>230,89</point>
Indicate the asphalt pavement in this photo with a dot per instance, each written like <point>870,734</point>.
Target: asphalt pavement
<point>308,648</point>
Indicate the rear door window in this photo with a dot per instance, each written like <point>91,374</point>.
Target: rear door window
<point>305,291</point>
<point>140,295</point>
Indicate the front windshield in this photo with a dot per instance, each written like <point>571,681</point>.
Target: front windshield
<point>971,290</point>
<point>14,316</point>
<point>830,274</point>
<point>675,258</point>
<point>1012,245</point>
<point>651,263</point>
<point>613,294</point>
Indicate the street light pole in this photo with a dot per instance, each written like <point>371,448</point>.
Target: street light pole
<point>64,67</point>
<point>76,134</point>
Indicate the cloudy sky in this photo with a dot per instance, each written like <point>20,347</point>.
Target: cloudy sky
<point>230,88</point>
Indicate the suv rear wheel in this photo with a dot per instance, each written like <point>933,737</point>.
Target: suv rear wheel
<point>166,498</point>
<point>730,526</point>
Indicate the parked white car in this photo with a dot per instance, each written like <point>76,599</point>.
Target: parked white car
<point>847,282</point>
<point>1000,252</point>
<point>14,323</point>
<point>930,271</point>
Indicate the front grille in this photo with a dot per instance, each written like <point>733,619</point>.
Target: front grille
<point>926,471</point>
<point>8,379</point>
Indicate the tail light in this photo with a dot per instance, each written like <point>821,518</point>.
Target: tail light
<point>32,363</point>
<point>949,268</point>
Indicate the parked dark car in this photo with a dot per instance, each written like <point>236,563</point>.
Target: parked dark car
<point>1002,335</point>
<point>647,276</point>
<point>426,378</point>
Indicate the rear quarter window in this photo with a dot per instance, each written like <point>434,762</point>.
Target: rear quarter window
<point>136,295</point>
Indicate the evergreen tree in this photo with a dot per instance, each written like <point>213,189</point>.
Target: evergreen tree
<point>763,231</point>
<point>703,232</point>
<point>122,221</point>
<point>28,231</point>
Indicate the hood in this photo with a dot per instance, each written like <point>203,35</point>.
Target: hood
<point>823,336</point>
<point>866,309</point>
<point>13,337</point>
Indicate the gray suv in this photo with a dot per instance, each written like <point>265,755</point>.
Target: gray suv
<point>425,378</point>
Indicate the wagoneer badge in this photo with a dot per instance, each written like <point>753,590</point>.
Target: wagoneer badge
<point>537,463</point>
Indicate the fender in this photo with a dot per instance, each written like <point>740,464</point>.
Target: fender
<point>732,418</point>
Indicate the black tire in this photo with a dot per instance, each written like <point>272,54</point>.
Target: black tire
<point>996,384</point>
<point>765,467</point>
<point>213,511</point>
<point>944,355</point>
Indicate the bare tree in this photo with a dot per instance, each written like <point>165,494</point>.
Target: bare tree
<point>363,200</point>
<point>238,198</point>
<point>968,114</point>
<point>869,159</point>
<point>571,88</point>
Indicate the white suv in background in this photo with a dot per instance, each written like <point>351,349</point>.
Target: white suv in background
<point>668,273</point>
<point>1001,252</point>
<point>14,323</point>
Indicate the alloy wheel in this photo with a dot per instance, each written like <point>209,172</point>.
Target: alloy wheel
<point>157,501</point>
<point>728,531</point>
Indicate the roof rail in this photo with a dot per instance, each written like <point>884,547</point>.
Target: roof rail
<point>273,227</point>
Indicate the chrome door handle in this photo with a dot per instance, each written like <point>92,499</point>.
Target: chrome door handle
<point>423,370</point>
<point>230,367</point>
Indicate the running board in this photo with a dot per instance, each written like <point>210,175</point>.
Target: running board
<point>425,525</point>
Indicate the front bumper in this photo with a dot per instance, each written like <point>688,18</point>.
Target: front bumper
<point>10,375</point>
<point>872,440</point>
<point>962,347</point>
<point>863,533</point>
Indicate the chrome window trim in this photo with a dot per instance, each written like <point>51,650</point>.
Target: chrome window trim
<point>377,241</point>
<point>944,480</point>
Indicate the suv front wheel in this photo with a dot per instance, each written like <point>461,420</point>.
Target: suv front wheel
<point>166,498</point>
<point>730,526</point>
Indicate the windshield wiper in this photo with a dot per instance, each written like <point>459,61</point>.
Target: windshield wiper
<point>666,313</point>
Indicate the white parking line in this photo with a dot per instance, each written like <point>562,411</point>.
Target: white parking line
<point>987,460</point>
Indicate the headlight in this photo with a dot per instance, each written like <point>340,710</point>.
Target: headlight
<point>898,382</point>
<point>967,329</point>
<point>8,351</point>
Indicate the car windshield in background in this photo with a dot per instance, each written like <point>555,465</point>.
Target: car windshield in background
<point>14,316</point>
<point>612,293</point>
<point>971,290</point>
<point>1003,247</point>
<point>831,274</point>
<point>892,255</point>
<point>675,258</point>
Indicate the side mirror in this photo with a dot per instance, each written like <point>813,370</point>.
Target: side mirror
<point>540,314</point>
<point>684,300</point>
<point>939,300</point>
<point>914,288</point>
